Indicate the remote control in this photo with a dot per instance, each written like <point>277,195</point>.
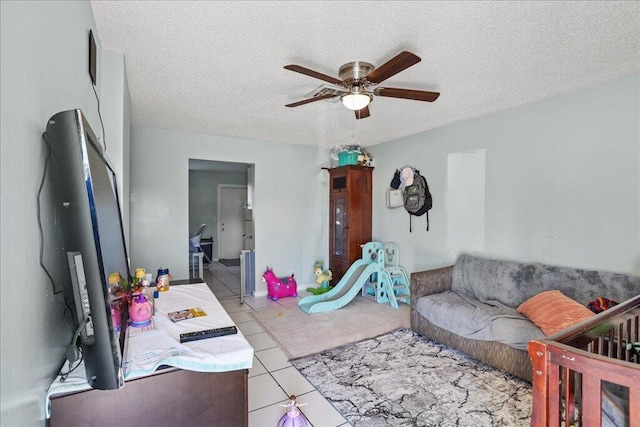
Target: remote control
<point>208,333</point>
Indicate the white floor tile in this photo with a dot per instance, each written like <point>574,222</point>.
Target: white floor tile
<point>264,391</point>
<point>269,416</point>
<point>292,381</point>
<point>235,289</point>
<point>222,292</point>
<point>249,298</point>
<point>250,328</point>
<point>261,341</point>
<point>229,280</point>
<point>233,305</point>
<point>273,359</point>
<point>260,303</point>
<point>318,411</point>
<point>241,316</point>
<point>257,368</point>
<point>226,275</point>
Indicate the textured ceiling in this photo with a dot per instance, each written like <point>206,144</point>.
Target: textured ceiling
<point>216,67</point>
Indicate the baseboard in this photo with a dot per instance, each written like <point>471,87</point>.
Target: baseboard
<point>299,288</point>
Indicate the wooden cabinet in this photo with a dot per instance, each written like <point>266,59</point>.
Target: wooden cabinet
<point>170,397</point>
<point>349,216</point>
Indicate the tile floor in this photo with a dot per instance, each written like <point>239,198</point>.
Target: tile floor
<point>272,378</point>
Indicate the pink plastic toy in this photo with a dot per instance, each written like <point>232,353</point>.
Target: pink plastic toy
<point>279,287</point>
<point>140,311</point>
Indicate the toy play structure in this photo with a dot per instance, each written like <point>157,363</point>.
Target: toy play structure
<point>377,275</point>
<point>392,284</point>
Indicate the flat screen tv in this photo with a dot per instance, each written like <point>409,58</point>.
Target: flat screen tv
<point>88,208</point>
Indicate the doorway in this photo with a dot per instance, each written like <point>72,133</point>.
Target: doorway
<point>205,177</point>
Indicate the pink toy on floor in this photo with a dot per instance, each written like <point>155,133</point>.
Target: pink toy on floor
<point>279,287</point>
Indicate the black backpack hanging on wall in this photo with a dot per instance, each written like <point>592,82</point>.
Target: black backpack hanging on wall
<point>417,198</point>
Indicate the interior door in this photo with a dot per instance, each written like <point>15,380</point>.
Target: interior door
<point>231,202</point>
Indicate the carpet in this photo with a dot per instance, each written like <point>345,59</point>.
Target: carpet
<point>300,334</point>
<point>235,262</point>
<point>401,379</point>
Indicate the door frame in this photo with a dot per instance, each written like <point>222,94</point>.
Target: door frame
<point>221,186</point>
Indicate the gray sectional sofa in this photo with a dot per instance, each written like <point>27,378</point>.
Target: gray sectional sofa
<point>471,306</point>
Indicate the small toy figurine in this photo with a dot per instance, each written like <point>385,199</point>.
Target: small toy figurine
<point>293,417</point>
<point>279,287</point>
<point>322,278</point>
<point>140,311</point>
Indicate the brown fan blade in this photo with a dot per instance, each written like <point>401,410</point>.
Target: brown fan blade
<point>417,95</point>
<point>362,113</point>
<point>311,73</point>
<point>314,99</point>
<point>400,62</point>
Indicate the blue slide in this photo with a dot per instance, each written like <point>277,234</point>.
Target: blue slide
<point>347,288</point>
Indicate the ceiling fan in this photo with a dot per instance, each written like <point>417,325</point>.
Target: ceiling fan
<point>356,86</point>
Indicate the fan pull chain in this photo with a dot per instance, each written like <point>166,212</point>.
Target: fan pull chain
<point>353,128</point>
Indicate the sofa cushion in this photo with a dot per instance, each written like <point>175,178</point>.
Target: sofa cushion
<point>470,318</point>
<point>552,311</point>
<point>512,283</point>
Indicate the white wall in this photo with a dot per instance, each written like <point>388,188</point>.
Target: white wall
<point>291,200</point>
<point>115,109</point>
<point>44,70</point>
<point>562,182</point>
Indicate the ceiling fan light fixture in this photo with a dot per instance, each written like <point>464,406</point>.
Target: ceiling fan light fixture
<point>358,83</point>
<point>356,101</point>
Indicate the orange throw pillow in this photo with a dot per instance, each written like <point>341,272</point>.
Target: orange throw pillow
<point>553,311</point>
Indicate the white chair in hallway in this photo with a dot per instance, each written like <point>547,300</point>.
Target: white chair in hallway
<point>194,242</point>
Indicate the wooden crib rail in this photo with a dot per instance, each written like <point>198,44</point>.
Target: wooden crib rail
<point>570,368</point>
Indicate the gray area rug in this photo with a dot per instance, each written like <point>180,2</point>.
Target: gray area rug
<point>235,262</point>
<point>401,379</point>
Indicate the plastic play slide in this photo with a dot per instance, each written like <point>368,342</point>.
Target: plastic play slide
<point>347,288</point>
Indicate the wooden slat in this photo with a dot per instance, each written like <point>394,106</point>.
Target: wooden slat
<point>611,342</point>
<point>634,406</point>
<point>601,345</point>
<point>539,405</point>
<point>553,400</point>
<point>569,397</point>
<point>591,401</point>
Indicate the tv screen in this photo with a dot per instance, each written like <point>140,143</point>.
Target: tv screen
<point>89,211</point>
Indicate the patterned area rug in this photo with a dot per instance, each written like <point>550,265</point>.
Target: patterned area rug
<point>230,262</point>
<point>401,379</point>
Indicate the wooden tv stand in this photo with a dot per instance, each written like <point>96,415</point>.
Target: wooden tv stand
<point>172,397</point>
<point>169,396</point>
